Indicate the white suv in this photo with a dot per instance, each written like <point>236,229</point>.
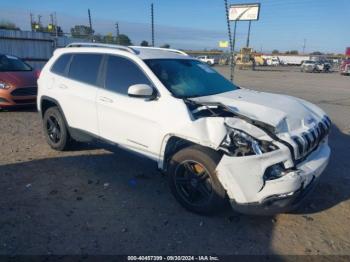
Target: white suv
<point>215,140</point>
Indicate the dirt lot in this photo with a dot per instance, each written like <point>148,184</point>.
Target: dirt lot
<point>95,200</point>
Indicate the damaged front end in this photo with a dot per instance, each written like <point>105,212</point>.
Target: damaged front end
<point>258,170</point>
<point>238,143</point>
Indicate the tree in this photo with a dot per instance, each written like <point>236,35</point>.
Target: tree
<point>98,38</point>
<point>316,53</point>
<point>165,46</point>
<point>81,31</point>
<point>292,52</point>
<point>8,25</point>
<point>108,38</point>
<point>275,51</point>
<point>144,43</point>
<point>123,40</point>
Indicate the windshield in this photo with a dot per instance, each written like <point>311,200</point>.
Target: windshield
<point>11,63</point>
<point>189,78</point>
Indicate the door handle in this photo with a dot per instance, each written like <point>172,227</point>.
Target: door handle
<point>106,99</point>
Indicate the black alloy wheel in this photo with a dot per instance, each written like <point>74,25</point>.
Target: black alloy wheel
<point>193,183</point>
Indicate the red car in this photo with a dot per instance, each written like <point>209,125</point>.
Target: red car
<point>18,84</point>
<point>345,67</point>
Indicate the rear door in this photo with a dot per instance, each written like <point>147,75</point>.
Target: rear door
<point>77,91</point>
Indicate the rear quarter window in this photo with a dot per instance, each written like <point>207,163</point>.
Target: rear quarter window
<point>60,65</point>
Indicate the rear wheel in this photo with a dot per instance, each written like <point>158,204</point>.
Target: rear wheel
<point>55,129</point>
<point>193,180</point>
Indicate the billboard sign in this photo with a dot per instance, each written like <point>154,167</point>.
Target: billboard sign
<point>244,12</point>
<point>223,44</point>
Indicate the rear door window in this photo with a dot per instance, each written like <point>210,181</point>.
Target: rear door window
<point>59,67</point>
<point>85,68</point>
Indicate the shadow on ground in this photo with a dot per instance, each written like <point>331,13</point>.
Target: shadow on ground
<point>333,186</point>
<point>116,203</point>
<point>112,203</point>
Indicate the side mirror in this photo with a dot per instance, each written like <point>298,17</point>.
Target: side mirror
<point>140,90</point>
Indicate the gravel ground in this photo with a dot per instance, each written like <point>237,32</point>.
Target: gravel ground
<point>98,200</point>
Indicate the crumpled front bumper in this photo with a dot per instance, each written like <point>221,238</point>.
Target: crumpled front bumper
<point>243,180</point>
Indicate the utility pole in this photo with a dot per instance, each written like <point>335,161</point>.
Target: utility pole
<point>304,45</point>
<point>51,19</point>
<point>39,20</point>
<point>250,22</point>
<point>230,40</point>
<point>117,32</point>
<point>152,23</point>
<point>56,32</point>
<point>90,24</point>
<point>31,21</point>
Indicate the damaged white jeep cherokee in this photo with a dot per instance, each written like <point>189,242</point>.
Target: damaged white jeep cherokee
<point>215,140</point>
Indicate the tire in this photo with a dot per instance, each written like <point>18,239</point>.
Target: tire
<point>55,129</point>
<point>206,196</point>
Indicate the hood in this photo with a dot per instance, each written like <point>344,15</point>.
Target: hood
<point>283,112</point>
<point>19,78</point>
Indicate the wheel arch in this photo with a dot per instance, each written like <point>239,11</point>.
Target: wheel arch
<point>46,102</point>
<point>172,144</point>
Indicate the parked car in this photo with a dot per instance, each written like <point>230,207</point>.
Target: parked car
<point>208,60</point>
<point>17,82</point>
<point>213,139</point>
<point>274,61</point>
<point>315,66</point>
<point>345,67</point>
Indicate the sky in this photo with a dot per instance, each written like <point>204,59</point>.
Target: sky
<point>198,24</point>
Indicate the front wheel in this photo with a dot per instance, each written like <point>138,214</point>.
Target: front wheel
<point>193,180</point>
<point>55,129</point>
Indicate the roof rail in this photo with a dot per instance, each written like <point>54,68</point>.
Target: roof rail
<point>161,49</point>
<point>120,47</point>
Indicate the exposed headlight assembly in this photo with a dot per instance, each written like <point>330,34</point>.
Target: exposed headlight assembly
<point>238,143</point>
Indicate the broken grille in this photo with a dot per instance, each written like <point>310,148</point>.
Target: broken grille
<point>310,140</point>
